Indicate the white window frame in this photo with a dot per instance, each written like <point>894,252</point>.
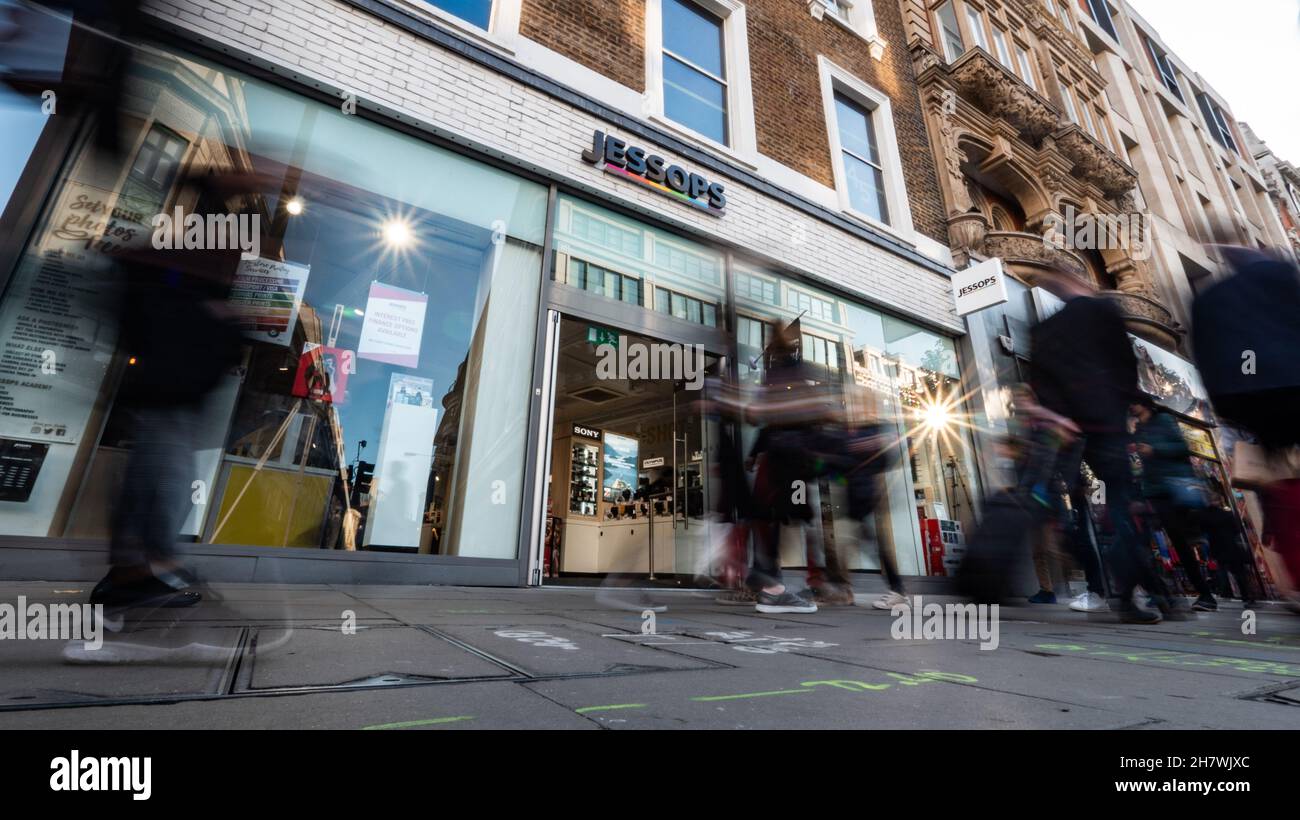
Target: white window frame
<point>1026,63</point>
<point>975,22</point>
<point>836,79</point>
<point>942,33</point>
<point>1066,98</point>
<point>1001,49</point>
<point>857,16</point>
<point>503,26</point>
<point>742,140</point>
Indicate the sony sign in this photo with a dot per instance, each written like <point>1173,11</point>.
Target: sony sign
<point>979,286</point>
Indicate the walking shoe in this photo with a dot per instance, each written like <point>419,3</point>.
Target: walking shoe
<point>783,602</point>
<point>829,595</point>
<point>1090,602</point>
<point>888,601</point>
<point>1174,609</point>
<point>148,591</point>
<point>1206,603</point>
<point>1043,596</point>
<point>737,597</point>
<point>1131,614</point>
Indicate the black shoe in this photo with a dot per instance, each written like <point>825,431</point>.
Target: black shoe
<point>148,591</point>
<point>783,602</point>
<point>1130,614</point>
<point>1174,609</point>
<point>1206,603</point>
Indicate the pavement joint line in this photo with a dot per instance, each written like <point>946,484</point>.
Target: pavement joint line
<point>406,724</point>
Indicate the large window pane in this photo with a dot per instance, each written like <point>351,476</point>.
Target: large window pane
<point>866,188</point>
<point>694,35</point>
<point>478,12</point>
<point>380,400</point>
<point>695,100</point>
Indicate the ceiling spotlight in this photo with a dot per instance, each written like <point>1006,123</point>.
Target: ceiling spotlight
<point>397,233</point>
<point>294,206</point>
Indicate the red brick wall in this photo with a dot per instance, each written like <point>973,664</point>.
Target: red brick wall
<point>607,36</point>
<point>784,41</point>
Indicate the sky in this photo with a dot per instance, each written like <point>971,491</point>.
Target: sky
<point>1248,51</point>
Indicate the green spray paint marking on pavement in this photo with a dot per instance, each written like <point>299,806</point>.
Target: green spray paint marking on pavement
<point>429,722</point>
<point>1181,659</point>
<point>584,710</point>
<point>753,695</point>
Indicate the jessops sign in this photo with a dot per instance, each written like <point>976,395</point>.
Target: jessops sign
<point>979,286</point>
<point>634,163</point>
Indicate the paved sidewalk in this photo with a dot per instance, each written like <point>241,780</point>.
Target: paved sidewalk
<point>269,656</point>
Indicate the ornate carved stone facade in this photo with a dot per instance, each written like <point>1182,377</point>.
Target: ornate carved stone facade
<point>1019,126</point>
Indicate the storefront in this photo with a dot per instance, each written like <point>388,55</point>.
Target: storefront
<point>418,396</point>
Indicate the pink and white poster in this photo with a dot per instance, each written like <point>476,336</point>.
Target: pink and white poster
<point>394,325</point>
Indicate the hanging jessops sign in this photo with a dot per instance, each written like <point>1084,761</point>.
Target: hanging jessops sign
<point>634,163</point>
<point>979,286</point>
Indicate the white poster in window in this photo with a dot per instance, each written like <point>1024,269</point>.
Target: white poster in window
<point>402,465</point>
<point>394,326</point>
<point>57,335</point>
<point>266,296</point>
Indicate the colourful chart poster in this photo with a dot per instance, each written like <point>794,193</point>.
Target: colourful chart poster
<point>394,326</point>
<point>266,296</point>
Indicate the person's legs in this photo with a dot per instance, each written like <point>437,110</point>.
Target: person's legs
<point>1179,524</point>
<point>1107,454</point>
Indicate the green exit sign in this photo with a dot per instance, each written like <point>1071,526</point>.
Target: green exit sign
<point>602,336</point>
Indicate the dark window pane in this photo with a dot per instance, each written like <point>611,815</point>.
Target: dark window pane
<point>857,133</point>
<point>695,100</point>
<point>694,34</point>
<point>866,188</point>
<point>478,12</point>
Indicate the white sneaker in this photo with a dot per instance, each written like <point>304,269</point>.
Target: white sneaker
<point>1090,602</point>
<point>889,600</point>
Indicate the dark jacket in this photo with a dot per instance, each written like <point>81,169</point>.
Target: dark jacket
<point>1256,310</point>
<point>1171,458</point>
<point>1083,365</point>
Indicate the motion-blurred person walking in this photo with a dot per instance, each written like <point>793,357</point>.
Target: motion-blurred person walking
<point>1176,494</point>
<point>1245,336</point>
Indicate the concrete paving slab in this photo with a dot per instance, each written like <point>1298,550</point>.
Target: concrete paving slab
<point>569,649</point>
<point>328,657</point>
<point>440,707</point>
<point>35,671</point>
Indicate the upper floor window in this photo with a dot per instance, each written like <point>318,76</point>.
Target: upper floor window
<point>1067,99</point>
<point>1002,49</point>
<point>950,32</point>
<point>864,175</point>
<point>1099,11</point>
<point>1217,122</point>
<point>975,21</point>
<point>1164,68</point>
<point>864,150</point>
<point>478,12</point>
<point>1026,66</point>
<point>839,8</point>
<point>1062,13</point>
<point>694,69</point>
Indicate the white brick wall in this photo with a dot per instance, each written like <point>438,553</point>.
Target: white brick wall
<point>341,48</point>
